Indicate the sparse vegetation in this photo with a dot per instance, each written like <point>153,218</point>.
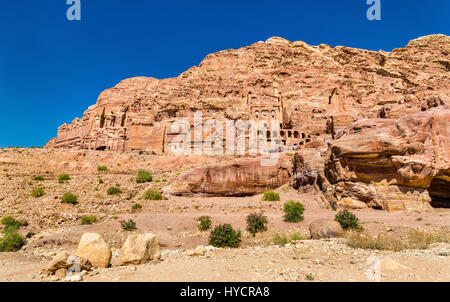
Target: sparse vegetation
<point>11,242</point>
<point>143,176</point>
<point>309,277</point>
<point>293,211</point>
<point>102,168</point>
<point>38,178</point>
<point>70,198</point>
<point>225,236</point>
<point>279,240</point>
<point>100,181</point>
<point>152,195</point>
<point>348,220</point>
<point>136,206</point>
<point>129,225</point>
<point>88,219</point>
<point>271,196</point>
<point>204,223</point>
<point>63,178</point>
<point>38,192</point>
<point>113,191</point>
<point>414,240</point>
<point>256,223</point>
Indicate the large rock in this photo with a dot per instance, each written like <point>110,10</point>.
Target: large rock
<point>139,248</point>
<point>311,90</point>
<point>325,229</point>
<point>93,247</point>
<point>393,164</point>
<point>63,261</point>
<point>240,178</point>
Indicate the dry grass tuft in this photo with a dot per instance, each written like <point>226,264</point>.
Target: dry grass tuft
<point>415,240</point>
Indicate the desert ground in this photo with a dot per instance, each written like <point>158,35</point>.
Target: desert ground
<point>54,227</point>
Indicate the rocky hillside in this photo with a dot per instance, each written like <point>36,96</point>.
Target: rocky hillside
<point>314,91</point>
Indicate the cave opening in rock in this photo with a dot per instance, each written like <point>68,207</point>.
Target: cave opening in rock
<point>439,191</point>
<point>103,148</point>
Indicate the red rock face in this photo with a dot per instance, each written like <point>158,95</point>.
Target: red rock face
<point>313,91</point>
<point>393,164</point>
<point>244,177</point>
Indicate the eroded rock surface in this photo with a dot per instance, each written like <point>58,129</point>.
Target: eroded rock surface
<point>243,177</point>
<point>391,164</point>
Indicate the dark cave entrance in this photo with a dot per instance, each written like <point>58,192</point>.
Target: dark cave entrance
<point>439,191</point>
<point>103,148</point>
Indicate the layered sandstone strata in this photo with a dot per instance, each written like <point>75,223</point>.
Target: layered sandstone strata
<point>392,164</point>
<point>311,91</point>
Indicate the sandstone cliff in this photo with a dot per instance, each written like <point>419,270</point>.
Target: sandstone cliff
<point>314,91</point>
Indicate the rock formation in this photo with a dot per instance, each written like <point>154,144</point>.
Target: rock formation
<point>392,164</point>
<point>243,177</point>
<point>312,91</point>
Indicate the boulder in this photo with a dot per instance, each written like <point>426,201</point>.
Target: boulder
<point>243,177</point>
<point>93,247</point>
<point>198,251</point>
<point>139,249</point>
<point>325,229</point>
<point>63,261</point>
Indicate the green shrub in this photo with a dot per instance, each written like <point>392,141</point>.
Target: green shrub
<point>293,211</point>
<point>113,191</point>
<point>225,236</point>
<point>11,242</point>
<point>63,178</point>
<point>271,196</point>
<point>38,178</point>
<point>38,192</point>
<point>102,168</point>
<point>256,223</point>
<point>279,240</point>
<point>204,223</point>
<point>152,195</point>
<point>143,176</point>
<point>136,206</point>
<point>10,223</point>
<point>348,220</point>
<point>129,225</point>
<point>88,219</point>
<point>69,197</point>
<point>100,181</point>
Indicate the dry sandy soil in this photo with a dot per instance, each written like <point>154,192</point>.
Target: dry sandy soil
<point>55,227</point>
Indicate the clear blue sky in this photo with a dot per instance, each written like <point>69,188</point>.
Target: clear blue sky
<point>52,69</point>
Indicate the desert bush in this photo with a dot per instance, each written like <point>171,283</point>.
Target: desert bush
<point>38,178</point>
<point>37,192</point>
<point>113,191</point>
<point>225,236</point>
<point>11,242</point>
<point>88,219</point>
<point>63,178</point>
<point>10,223</point>
<point>136,206</point>
<point>271,196</point>
<point>348,220</point>
<point>100,181</point>
<point>143,176</point>
<point>102,168</point>
<point>129,225</point>
<point>69,197</point>
<point>204,223</point>
<point>152,195</point>
<point>293,211</point>
<point>278,239</point>
<point>256,223</point>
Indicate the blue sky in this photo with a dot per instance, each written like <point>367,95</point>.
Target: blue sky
<point>52,69</point>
